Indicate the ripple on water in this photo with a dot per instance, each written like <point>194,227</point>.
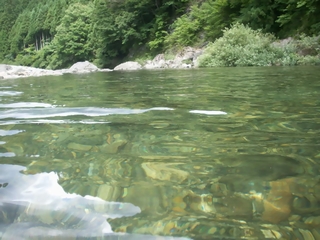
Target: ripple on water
<point>9,93</point>
<point>31,113</point>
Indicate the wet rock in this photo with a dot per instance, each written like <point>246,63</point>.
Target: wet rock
<point>113,147</point>
<point>263,166</point>
<point>109,192</point>
<point>127,66</point>
<point>87,139</point>
<point>150,200</point>
<point>79,147</point>
<point>277,203</point>
<point>164,171</point>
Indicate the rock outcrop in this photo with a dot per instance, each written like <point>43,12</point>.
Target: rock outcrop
<point>187,58</point>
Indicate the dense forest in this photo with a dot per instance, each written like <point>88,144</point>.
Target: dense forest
<point>57,33</point>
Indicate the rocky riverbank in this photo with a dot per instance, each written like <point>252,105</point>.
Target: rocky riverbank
<point>12,71</point>
<point>184,59</point>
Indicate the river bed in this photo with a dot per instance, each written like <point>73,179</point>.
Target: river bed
<point>223,153</point>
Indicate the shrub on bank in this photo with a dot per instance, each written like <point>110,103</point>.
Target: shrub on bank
<point>239,46</point>
<point>242,46</point>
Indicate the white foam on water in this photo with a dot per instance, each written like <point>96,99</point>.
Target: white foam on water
<point>206,112</point>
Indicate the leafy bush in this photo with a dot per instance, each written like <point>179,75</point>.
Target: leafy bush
<point>309,60</point>
<point>286,54</point>
<point>308,45</point>
<point>240,46</point>
<point>27,56</point>
<point>43,56</point>
<point>304,50</point>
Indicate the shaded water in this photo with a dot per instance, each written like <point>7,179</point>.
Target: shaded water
<point>224,153</point>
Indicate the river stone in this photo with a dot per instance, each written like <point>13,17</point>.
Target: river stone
<point>94,140</point>
<point>164,171</point>
<point>113,147</point>
<point>263,166</point>
<point>127,66</point>
<point>79,147</point>
<point>109,192</point>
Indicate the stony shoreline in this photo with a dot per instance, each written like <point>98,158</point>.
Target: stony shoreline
<point>184,59</point>
<point>12,71</point>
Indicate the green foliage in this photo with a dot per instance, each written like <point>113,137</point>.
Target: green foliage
<point>215,15</point>
<point>242,46</point>
<point>121,26</point>
<point>239,46</point>
<point>44,57</point>
<point>108,31</point>
<point>185,32</point>
<point>299,16</point>
<point>27,56</point>
<point>259,14</point>
<point>203,23</point>
<point>115,28</point>
<point>308,49</point>
<point>159,35</point>
<point>9,11</point>
<point>71,43</point>
<point>307,45</point>
<point>309,60</point>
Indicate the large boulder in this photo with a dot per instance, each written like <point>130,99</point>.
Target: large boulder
<point>128,66</point>
<point>83,67</point>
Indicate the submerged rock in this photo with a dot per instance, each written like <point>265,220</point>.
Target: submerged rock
<point>79,147</point>
<point>113,147</point>
<point>164,171</point>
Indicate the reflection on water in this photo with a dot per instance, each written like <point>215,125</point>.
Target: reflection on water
<point>204,154</point>
<point>36,206</point>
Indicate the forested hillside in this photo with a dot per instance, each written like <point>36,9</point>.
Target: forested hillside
<point>57,33</point>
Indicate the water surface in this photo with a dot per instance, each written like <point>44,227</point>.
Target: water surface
<point>223,153</point>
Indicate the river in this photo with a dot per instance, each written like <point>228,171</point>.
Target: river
<point>222,153</point>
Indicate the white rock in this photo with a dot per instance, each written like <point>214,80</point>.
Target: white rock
<point>85,66</point>
<point>128,66</point>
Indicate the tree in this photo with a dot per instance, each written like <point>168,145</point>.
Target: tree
<point>299,16</point>
<point>71,43</point>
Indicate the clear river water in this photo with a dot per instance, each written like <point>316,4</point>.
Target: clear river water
<point>222,153</point>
